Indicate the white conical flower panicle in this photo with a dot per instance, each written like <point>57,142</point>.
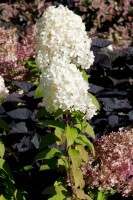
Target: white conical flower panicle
<point>61,33</point>
<point>63,48</point>
<point>3,90</point>
<point>65,88</point>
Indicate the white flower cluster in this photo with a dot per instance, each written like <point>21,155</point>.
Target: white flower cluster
<point>62,46</point>
<point>3,90</point>
<point>65,88</point>
<point>61,33</point>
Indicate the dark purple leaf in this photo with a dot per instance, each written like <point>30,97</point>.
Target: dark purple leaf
<point>19,128</point>
<point>113,120</point>
<point>25,86</point>
<point>35,141</point>
<point>115,103</point>
<point>99,42</point>
<point>20,113</point>
<point>14,97</point>
<point>2,110</point>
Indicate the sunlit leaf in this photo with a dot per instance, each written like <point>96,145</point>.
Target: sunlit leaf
<point>48,154</point>
<point>2,149</point>
<point>38,92</point>
<point>81,195</point>
<point>94,101</point>
<point>78,178</point>
<point>49,164</point>
<point>71,134</point>
<point>83,152</point>
<point>89,129</point>
<point>82,139</point>
<point>57,197</point>
<point>75,157</point>
<point>61,136</point>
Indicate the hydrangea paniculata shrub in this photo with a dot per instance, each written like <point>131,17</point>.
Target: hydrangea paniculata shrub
<point>112,167</point>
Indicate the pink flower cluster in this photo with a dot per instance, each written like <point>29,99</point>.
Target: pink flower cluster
<point>14,53</point>
<point>112,167</point>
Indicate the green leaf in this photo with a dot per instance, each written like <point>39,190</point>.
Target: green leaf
<point>28,167</point>
<point>49,164</point>
<point>53,124</point>
<point>81,195</point>
<point>42,113</point>
<point>78,126</point>
<point>78,178</point>
<point>83,152</point>
<point>5,167</point>
<point>56,190</point>
<point>94,101</point>
<point>84,75</point>
<point>48,154</point>
<point>57,197</point>
<point>2,149</point>
<point>75,157</point>
<point>62,163</point>
<point>39,92</point>
<point>2,197</point>
<point>4,125</point>
<point>48,139</point>
<point>89,129</point>
<point>71,134</point>
<point>60,181</point>
<point>82,139</point>
<point>101,195</point>
<point>61,136</point>
<point>58,113</point>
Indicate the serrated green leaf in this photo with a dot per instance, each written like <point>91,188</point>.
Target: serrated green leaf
<point>82,139</point>
<point>4,125</point>
<point>94,101</point>
<point>78,178</point>
<point>57,197</point>
<point>39,92</point>
<point>75,157</point>
<point>2,149</point>
<point>89,129</point>
<point>42,113</point>
<point>60,135</point>
<point>48,139</point>
<point>53,124</point>
<point>83,152</point>
<point>71,134</point>
<point>58,113</point>
<point>48,154</point>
